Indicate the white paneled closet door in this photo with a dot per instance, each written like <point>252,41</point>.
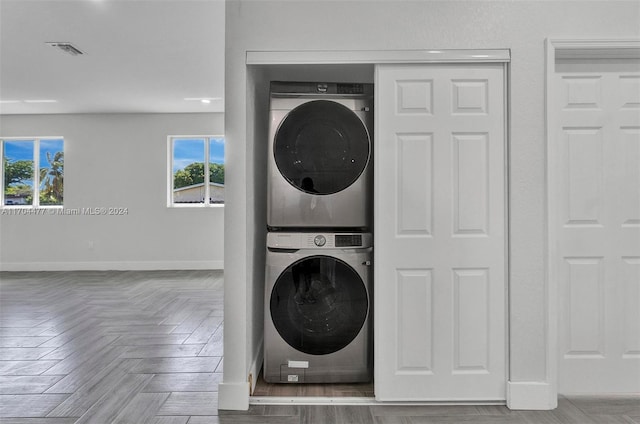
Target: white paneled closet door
<point>594,121</point>
<point>440,232</point>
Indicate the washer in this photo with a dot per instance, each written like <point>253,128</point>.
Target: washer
<point>318,302</point>
<point>320,156</point>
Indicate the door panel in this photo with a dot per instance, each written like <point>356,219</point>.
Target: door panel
<point>440,233</point>
<point>594,122</point>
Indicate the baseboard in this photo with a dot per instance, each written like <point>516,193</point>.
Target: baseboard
<point>110,265</point>
<point>233,396</point>
<point>531,395</point>
<point>256,366</point>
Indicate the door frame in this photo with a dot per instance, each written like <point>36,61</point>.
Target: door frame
<point>565,49</point>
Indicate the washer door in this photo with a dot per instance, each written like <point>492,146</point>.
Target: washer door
<point>319,304</point>
<point>321,147</point>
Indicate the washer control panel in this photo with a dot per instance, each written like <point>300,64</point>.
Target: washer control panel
<point>278,240</point>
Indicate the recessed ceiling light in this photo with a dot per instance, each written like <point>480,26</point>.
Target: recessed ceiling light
<point>9,101</point>
<point>66,47</point>
<point>206,100</point>
<point>41,101</point>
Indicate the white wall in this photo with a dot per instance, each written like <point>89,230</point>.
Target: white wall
<point>114,160</point>
<point>521,26</point>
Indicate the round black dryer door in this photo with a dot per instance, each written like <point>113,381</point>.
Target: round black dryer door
<point>319,304</point>
<point>321,147</point>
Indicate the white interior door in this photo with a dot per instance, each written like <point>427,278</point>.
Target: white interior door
<point>440,269</point>
<point>594,125</point>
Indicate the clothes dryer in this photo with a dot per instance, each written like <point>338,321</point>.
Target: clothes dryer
<point>318,302</point>
<point>320,156</point>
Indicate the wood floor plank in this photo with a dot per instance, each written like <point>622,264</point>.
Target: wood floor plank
<point>176,318</point>
<point>22,322</point>
<point>23,353</point>
<point>38,420</point>
<point>170,420</point>
<point>184,382</point>
<point>74,318</point>
<point>190,403</point>
<point>173,365</point>
<point>142,409</point>
<point>391,419</point>
<point>607,404</point>
<point>63,333</point>
<point>192,322</point>
<point>96,368</point>
<point>142,340</point>
<point>203,332</point>
<point>22,341</point>
<point>88,358</point>
<point>107,408</point>
<point>214,346</point>
<point>24,406</point>
<point>94,342</point>
<point>204,420</point>
<point>354,415</point>
<point>31,384</point>
<point>21,331</point>
<point>101,385</point>
<point>163,351</point>
<point>85,332</point>
<point>466,419</point>
<point>25,367</point>
<point>612,419</point>
<point>138,329</point>
<point>318,414</point>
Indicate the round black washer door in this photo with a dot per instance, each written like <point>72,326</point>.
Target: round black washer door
<point>319,305</point>
<point>321,147</point>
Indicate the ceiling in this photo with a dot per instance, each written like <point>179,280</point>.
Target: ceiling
<point>140,56</point>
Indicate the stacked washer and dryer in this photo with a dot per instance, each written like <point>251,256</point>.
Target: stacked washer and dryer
<point>318,291</point>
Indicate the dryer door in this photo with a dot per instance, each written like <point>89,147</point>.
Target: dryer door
<point>321,147</point>
<point>319,304</point>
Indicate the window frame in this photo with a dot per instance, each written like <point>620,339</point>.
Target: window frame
<point>170,145</point>
<point>36,173</point>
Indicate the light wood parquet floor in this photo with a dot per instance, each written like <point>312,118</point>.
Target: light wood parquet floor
<point>146,348</point>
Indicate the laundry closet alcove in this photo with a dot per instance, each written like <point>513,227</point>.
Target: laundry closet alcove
<point>440,222</point>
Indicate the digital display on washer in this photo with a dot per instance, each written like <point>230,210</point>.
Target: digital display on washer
<point>348,240</point>
<point>350,89</point>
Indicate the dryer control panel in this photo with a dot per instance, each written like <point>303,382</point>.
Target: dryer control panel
<point>288,89</point>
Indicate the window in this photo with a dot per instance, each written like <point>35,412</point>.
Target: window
<point>32,171</point>
<point>190,159</point>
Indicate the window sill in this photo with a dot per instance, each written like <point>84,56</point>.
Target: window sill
<point>196,206</point>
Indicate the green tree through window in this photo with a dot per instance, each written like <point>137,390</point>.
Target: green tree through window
<point>22,185</point>
<point>191,159</point>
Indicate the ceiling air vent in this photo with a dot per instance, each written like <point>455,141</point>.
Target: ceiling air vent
<point>67,48</point>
